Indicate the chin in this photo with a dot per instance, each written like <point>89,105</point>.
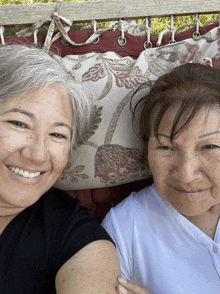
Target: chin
<point>21,198</point>
<point>192,212</point>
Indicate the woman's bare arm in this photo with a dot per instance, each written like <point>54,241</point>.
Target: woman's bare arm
<point>92,270</point>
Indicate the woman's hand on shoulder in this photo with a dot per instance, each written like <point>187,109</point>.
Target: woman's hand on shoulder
<point>127,287</point>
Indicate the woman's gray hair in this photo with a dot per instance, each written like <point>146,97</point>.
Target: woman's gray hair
<point>23,68</point>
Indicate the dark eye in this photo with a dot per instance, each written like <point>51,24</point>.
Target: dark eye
<point>210,147</point>
<point>17,123</point>
<point>58,136</point>
<point>165,148</point>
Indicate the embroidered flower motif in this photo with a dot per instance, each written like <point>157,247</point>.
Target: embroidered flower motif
<point>126,75</point>
<point>192,50</point>
<point>161,60</point>
<point>95,73</point>
<point>115,164</point>
<point>122,70</point>
<point>129,78</point>
<point>151,56</point>
<point>73,174</point>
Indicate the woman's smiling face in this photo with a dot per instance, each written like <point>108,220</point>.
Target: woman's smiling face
<point>35,135</point>
<point>186,171</point>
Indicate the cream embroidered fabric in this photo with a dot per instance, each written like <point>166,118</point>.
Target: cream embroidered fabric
<point>111,151</point>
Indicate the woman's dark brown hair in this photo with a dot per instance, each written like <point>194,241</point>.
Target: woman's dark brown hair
<point>190,86</point>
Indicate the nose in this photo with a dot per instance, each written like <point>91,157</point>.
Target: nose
<point>36,150</point>
<point>187,167</point>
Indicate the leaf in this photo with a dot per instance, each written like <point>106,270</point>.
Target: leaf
<point>107,87</point>
<point>94,124</point>
<point>83,176</point>
<point>74,180</point>
<point>68,166</point>
<point>78,169</point>
<point>95,73</point>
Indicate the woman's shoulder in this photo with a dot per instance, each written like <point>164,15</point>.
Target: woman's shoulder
<point>132,207</point>
<point>63,219</point>
<point>59,201</point>
<point>58,208</point>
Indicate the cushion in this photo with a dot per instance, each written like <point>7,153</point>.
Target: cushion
<point>111,152</point>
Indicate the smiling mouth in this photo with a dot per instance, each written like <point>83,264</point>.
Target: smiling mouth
<point>189,191</point>
<point>23,173</point>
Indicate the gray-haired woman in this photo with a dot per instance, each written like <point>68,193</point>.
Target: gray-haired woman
<point>168,235</point>
<point>49,244</point>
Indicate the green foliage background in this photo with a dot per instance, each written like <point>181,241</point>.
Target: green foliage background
<point>158,24</point>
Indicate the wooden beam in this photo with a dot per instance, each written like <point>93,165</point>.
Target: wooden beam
<point>105,10</point>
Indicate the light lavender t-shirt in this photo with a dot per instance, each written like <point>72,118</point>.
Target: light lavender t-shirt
<point>160,250</point>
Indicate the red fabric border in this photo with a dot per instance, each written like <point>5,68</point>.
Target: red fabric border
<point>108,42</point>
<point>99,201</point>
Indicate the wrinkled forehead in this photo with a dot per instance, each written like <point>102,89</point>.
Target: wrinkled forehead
<point>175,118</point>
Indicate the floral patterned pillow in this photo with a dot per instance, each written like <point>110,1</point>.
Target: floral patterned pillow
<point>111,152</point>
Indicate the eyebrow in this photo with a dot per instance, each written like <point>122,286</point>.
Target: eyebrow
<point>208,134</point>
<point>31,115</point>
<point>200,137</point>
<point>61,124</point>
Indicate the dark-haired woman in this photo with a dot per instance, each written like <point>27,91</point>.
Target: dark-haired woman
<point>168,235</point>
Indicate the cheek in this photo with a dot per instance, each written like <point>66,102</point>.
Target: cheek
<point>61,158</point>
<point>10,144</point>
<point>158,165</point>
<point>160,171</point>
<point>10,139</point>
<point>212,163</point>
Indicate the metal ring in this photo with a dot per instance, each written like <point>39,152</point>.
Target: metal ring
<point>64,42</point>
<point>195,35</point>
<point>122,41</point>
<point>96,41</point>
<point>38,45</point>
<point>147,45</point>
<point>172,42</point>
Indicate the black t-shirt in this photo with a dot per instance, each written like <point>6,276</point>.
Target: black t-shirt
<point>38,241</point>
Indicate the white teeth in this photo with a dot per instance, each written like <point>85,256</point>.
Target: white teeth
<point>21,173</point>
<point>25,174</point>
<point>16,170</point>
